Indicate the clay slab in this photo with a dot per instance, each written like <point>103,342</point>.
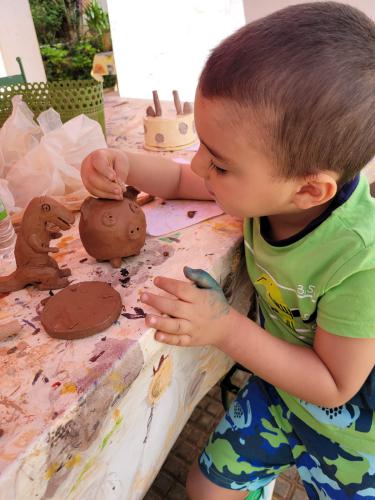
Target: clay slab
<point>81,310</point>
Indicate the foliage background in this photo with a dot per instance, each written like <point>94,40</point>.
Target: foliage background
<point>69,35</point>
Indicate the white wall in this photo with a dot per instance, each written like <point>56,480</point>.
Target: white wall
<point>2,66</point>
<point>18,38</point>
<point>163,45</point>
<point>254,9</point>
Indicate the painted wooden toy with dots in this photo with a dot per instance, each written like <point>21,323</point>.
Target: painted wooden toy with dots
<point>172,131</point>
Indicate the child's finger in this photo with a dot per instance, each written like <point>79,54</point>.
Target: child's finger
<point>180,289</point>
<point>177,340</point>
<point>102,184</point>
<point>103,165</point>
<point>165,305</point>
<point>201,278</point>
<point>169,325</point>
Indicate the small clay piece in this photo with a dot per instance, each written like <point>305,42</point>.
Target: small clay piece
<point>177,102</point>
<point>34,266</point>
<point>156,103</point>
<point>81,310</point>
<point>150,111</point>
<point>112,229</point>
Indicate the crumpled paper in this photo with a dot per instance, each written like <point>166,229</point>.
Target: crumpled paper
<point>45,159</point>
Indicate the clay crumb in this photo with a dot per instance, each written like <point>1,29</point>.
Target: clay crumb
<point>191,213</point>
<point>37,375</point>
<point>96,357</point>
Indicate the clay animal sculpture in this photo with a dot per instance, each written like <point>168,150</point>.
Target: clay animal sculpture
<point>34,266</point>
<point>112,229</point>
<point>80,310</point>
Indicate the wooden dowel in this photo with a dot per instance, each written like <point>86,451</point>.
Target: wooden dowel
<point>177,102</point>
<point>156,102</point>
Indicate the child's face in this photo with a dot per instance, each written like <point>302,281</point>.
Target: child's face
<point>240,176</point>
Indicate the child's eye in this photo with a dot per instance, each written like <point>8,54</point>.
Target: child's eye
<point>219,170</point>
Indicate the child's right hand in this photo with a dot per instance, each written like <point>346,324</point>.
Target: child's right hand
<point>104,173</point>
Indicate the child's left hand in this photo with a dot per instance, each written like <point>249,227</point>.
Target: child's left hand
<point>198,314</point>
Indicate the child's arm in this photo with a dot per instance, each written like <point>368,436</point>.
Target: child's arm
<point>327,375</point>
<point>104,172</point>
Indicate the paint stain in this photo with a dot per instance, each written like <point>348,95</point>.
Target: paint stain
<point>12,350</point>
<point>172,238</point>
<point>96,357</point>
<point>162,376</point>
<point>109,435</point>
<point>68,388</point>
<point>83,260</point>
<point>65,240</point>
<point>29,323</point>
<point>51,470</point>
<point>56,384</point>
<point>72,462</point>
<point>37,375</point>
<point>125,280</point>
<point>139,313</point>
<point>191,213</point>
<point>36,331</point>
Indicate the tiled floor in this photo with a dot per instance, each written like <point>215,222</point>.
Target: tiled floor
<point>169,484</point>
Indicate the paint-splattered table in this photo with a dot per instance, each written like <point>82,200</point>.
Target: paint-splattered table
<point>95,418</point>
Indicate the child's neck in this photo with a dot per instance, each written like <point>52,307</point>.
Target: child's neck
<point>284,226</point>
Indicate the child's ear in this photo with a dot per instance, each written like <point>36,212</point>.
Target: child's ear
<point>315,190</point>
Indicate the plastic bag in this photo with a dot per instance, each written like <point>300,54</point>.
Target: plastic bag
<point>49,120</point>
<point>18,135</point>
<point>52,166</point>
<point>6,196</point>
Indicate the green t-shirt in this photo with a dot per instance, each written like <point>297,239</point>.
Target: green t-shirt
<point>325,275</point>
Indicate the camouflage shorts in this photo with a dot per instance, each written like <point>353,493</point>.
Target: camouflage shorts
<point>260,437</point>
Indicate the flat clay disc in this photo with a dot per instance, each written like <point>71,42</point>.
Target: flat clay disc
<point>81,310</point>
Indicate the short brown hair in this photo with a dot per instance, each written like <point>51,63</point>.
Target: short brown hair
<point>307,72</point>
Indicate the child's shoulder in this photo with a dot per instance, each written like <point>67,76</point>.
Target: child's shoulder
<point>355,218</point>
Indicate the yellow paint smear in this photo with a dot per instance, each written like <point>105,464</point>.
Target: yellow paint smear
<point>66,388</point>
<point>51,470</point>
<point>75,460</point>
<point>160,381</point>
<point>227,226</point>
<point>64,241</point>
<point>86,468</point>
<point>117,382</point>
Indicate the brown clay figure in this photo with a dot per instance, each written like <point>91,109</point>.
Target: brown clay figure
<point>80,310</point>
<point>34,265</point>
<point>112,229</point>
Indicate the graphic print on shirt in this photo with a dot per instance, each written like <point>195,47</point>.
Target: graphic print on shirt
<point>276,301</point>
<point>292,305</point>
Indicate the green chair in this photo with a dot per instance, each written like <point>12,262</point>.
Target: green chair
<point>20,78</point>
